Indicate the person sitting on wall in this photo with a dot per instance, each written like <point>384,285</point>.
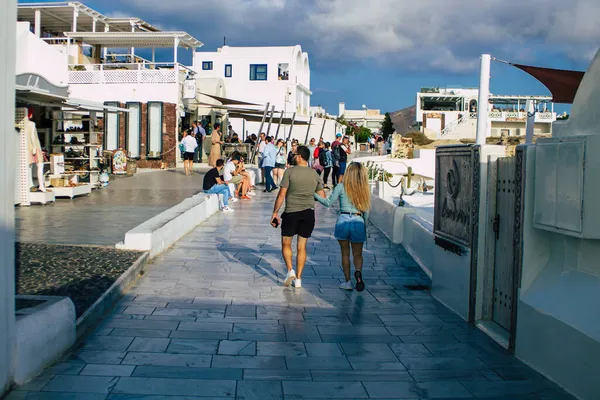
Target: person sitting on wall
<point>232,174</point>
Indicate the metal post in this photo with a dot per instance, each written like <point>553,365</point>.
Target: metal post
<point>484,95</point>
<point>270,120</point>
<point>291,127</point>
<point>279,126</point>
<point>262,123</point>
<point>322,130</point>
<point>244,133</point>
<point>75,15</point>
<point>530,124</point>
<point>307,131</point>
<point>105,50</point>
<point>38,23</point>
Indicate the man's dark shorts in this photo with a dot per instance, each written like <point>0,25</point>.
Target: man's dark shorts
<point>299,223</point>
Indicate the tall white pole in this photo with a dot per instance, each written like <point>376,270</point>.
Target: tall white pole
<point>38,21</point>
<point>74,25</point>
<point>529,127</point>
<point>484,95</point>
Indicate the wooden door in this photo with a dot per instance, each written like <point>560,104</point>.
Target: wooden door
<point>504,249</point>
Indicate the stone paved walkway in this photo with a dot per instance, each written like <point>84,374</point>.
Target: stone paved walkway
<point>103,218</point>
<point>211,320</point>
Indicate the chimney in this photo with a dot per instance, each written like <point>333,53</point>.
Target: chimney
<point>342,109</point>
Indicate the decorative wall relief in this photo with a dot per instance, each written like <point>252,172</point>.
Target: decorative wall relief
<point>454,196</point>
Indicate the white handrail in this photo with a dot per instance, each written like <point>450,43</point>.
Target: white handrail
<point>453,125</point>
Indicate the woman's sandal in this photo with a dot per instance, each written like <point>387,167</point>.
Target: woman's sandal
<point>360,285</point>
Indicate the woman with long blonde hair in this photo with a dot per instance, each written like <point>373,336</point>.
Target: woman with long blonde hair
<point>351,226</point>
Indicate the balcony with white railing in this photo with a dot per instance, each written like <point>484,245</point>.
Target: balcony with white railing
<point>517,116</point>
<point>127,73</point>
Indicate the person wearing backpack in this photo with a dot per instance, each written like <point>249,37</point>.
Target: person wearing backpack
<point>336,166</point>
<point>316,164</point>
<point>342,155</point>
<point>326,160</point>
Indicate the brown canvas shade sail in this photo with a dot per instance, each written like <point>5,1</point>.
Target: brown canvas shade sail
<point>563,84</point>
<point>225,101</point>
<point>258,118</point>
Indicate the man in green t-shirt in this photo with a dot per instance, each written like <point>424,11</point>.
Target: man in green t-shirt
<point>297,188</point>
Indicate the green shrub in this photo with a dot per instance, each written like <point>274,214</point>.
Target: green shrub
<point>419,138</point>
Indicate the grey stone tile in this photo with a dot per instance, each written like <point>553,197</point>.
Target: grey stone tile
<point>98,357</point>
<point>313,363</point>
<point>241,311</point>
<point>301,332</point>
<point>263,337</point>
<point>138,310</point>
<point>259,390</point>
<point>368,352</point>
<point>140,332</point>
<point>187,313</point>
<point>505,388</point>
<point>199,335</point>
<point>437,375</point>
<point>65,369</point>
<point>280,349</point>
<point>410,350</point>
<point>107,370</point>
<point>362,375</point>
<point>164,359</point>
<point>176,387</point>
<point>323,349</point>
<point>452,350</point>
<point>237,348</point>
<point>108,343</point>
<point>16,395</point>
<point>188,373</point>
<point>444,363</point>
<point>340,390</point>
<point>360,339</point>
<point>193,346</point>
<point>246,362</point>
<point>64,396</point>
<point>378,366</point>
<point>429,390</point>
<point>81,384</point>
<point>276,375</point>
<point>141,324</point>
<point>425,339</point>
<point>263,328</point>
<point>153,397</point>
<point>149,345</point>
<point>206,326</point>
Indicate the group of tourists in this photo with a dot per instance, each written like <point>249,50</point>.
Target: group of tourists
<point>301,175</point>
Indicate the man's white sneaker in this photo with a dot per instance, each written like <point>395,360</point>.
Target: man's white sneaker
<point>291,275</point>
<point>233,200</point>
<point>298,283</point>
<point>251,194</point>
<point>346,285</point>
<point>227,209</point>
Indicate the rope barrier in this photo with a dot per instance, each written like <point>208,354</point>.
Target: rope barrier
<point>393,186</point>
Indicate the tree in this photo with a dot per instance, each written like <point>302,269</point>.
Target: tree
<point>387,126</point>
<point>364,134</point>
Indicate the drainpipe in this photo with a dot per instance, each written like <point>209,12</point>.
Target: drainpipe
<point>484,95</point>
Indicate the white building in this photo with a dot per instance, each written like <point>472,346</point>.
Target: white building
<point>366,117</point>
<point>452,113</point>
<point>98,57</point>
<point>260,75</point>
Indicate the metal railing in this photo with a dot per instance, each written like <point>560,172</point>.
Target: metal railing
<point>454,124</point>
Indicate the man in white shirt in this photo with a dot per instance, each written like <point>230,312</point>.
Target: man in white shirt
<point>232,174</point>
<point>189,148</point>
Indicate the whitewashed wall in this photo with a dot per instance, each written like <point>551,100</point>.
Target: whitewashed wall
<point>124,92</point>
<point>7,182</point>
<point>284,95</point>
<point>37,57</point>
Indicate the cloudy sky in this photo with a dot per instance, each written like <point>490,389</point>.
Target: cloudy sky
<point>380,52</point>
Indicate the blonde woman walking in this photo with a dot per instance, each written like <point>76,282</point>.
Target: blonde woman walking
<point>351,226</point>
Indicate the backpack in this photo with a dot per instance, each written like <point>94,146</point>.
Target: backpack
<point>323,158</point>
<point>339,154</point>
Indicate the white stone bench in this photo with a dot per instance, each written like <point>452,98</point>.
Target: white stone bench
<point>161,232</point>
